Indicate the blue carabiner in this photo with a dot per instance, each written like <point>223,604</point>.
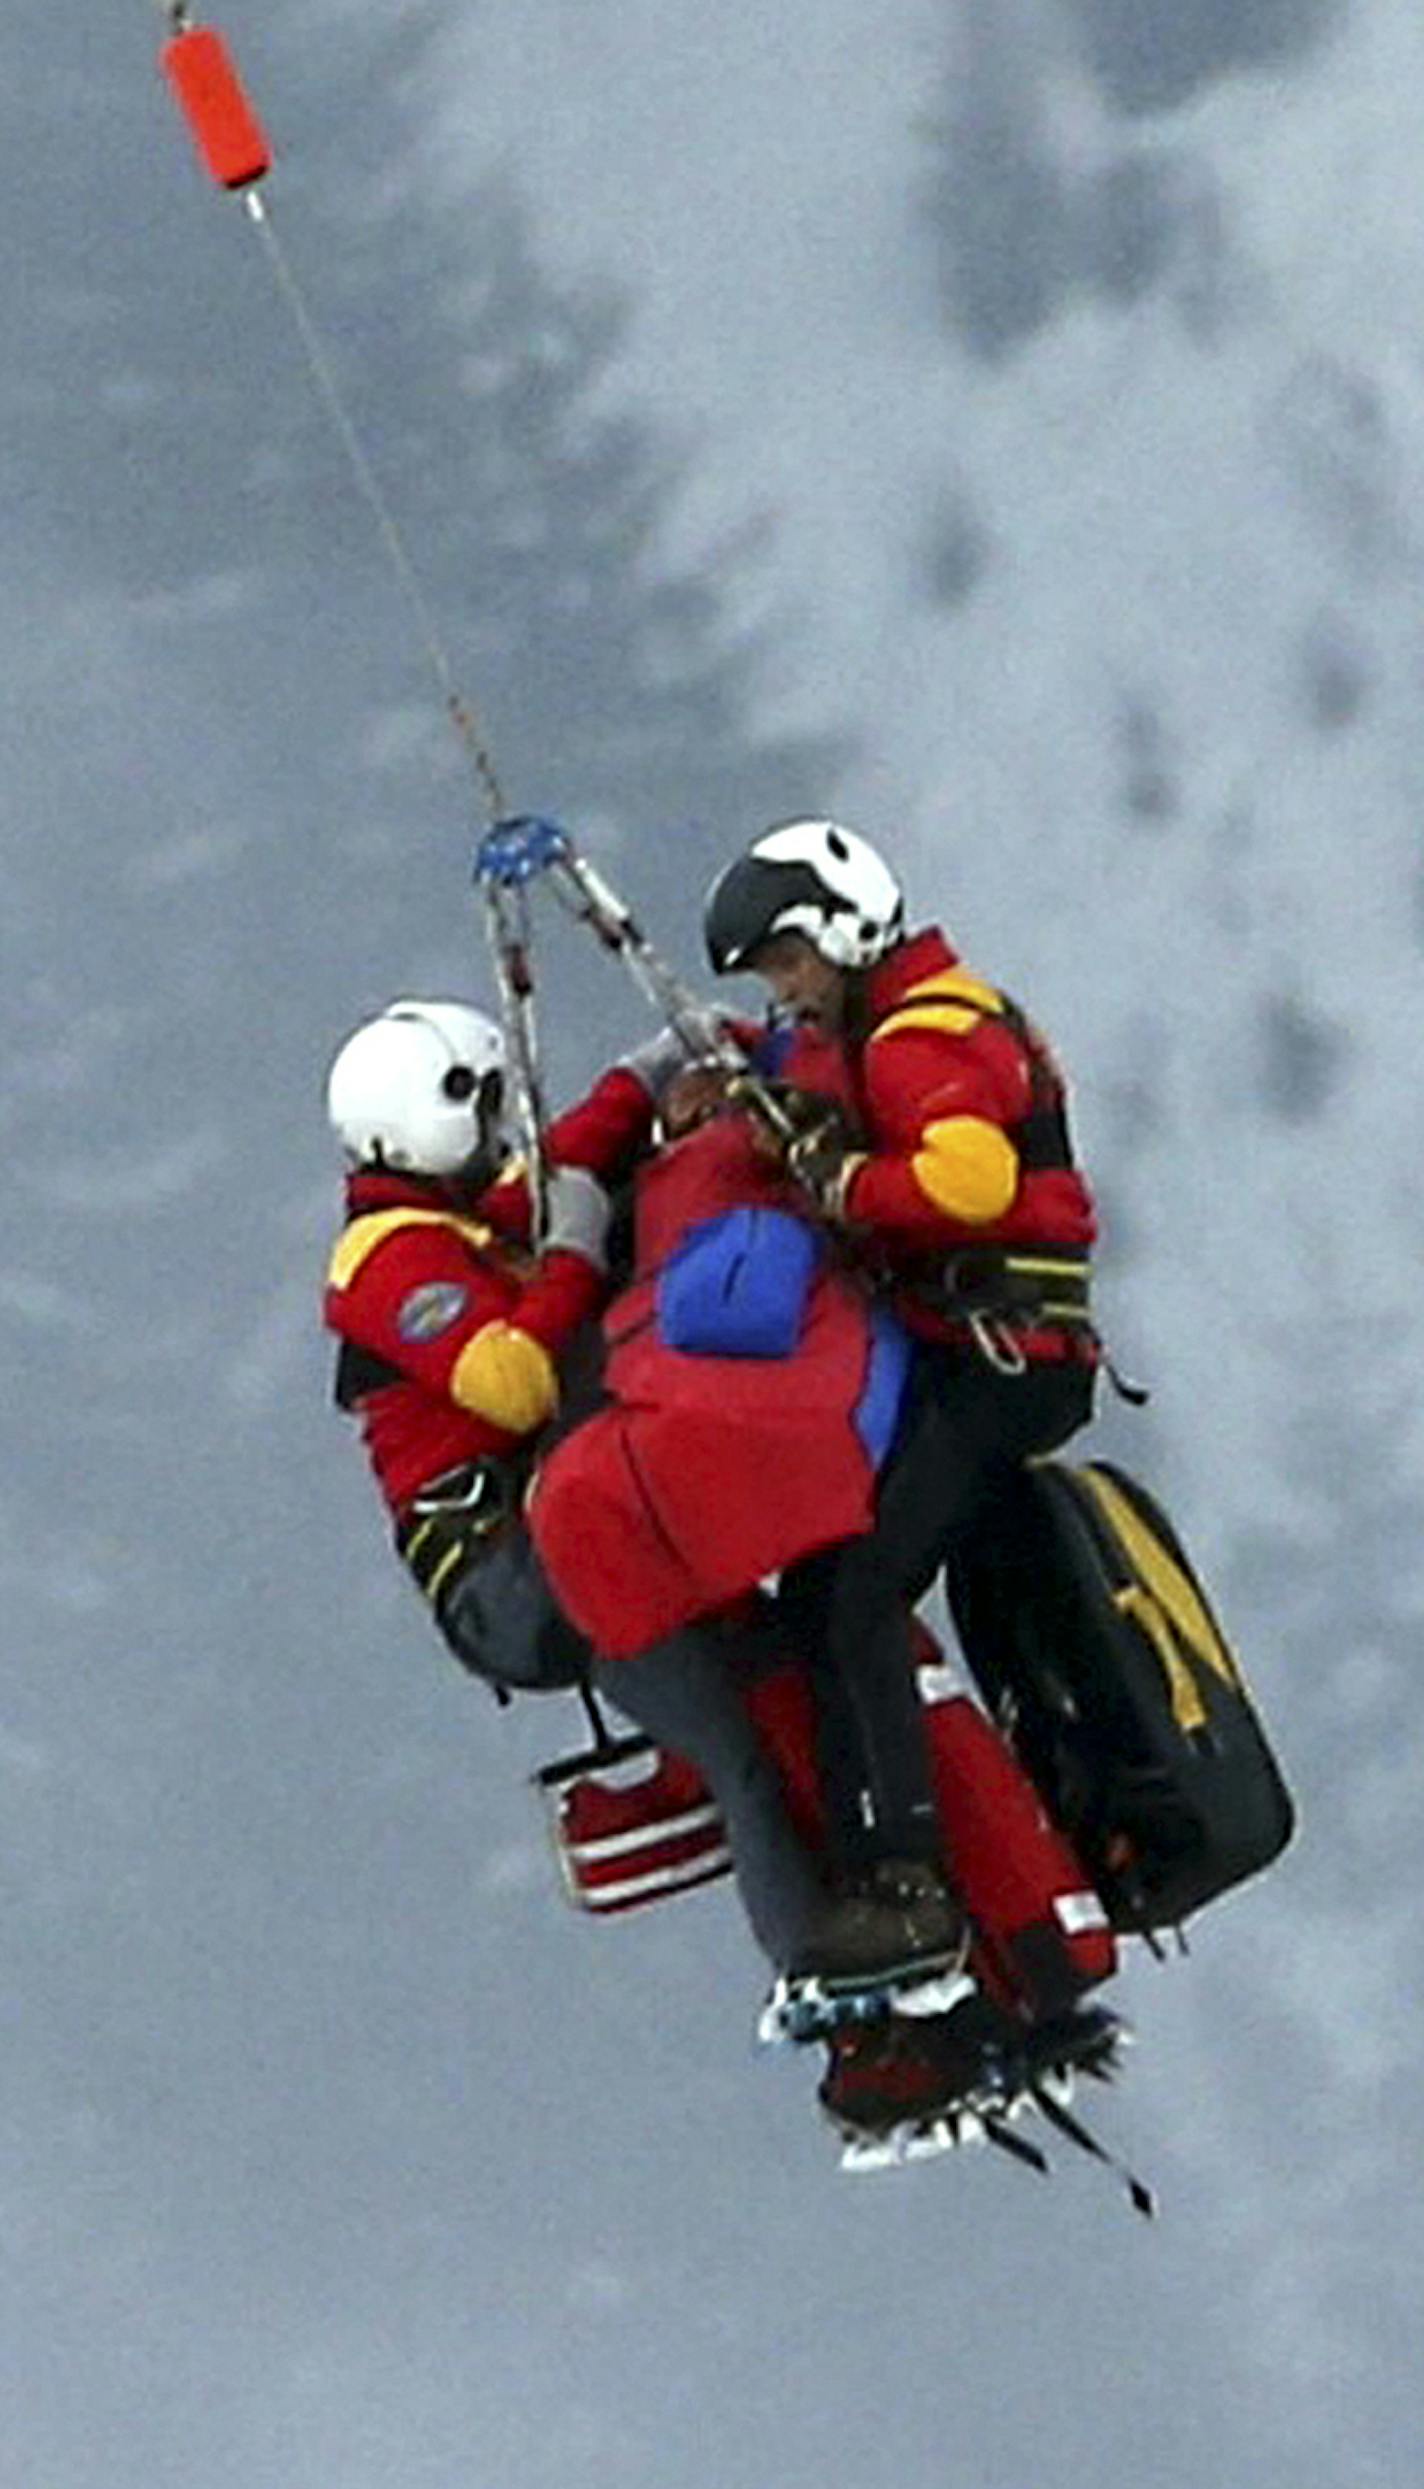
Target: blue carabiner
<point>514,851</point>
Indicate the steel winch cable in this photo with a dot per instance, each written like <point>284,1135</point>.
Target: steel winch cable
<point>236,152</point>
<point>515,850</point>
<point>473,739</point>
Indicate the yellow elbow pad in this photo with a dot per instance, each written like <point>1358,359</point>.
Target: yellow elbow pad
<point>968,1168</point>
<point>506,1376</point>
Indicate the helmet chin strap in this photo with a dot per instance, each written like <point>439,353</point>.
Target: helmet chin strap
<point>855,1005</point>
<point>491,1153</point>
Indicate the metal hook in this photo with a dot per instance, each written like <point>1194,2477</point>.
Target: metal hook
<point>998,1345</point>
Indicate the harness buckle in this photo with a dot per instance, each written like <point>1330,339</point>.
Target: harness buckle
<point>481,1495</point>
<point>998,1344</point>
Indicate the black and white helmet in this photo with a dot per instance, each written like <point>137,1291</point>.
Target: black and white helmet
<point>808,877</point>
<point>420,1089</point>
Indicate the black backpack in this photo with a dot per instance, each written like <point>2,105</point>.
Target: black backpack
<point>1096,1648</point>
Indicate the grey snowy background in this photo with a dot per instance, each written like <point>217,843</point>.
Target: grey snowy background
<point>1002,423</point>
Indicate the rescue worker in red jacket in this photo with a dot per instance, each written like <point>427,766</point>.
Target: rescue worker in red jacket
<point>951,1181</point>
<point>451,1333</point>
<point>460,1358</point>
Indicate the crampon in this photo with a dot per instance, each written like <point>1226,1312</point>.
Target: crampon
<point>907,2089</point>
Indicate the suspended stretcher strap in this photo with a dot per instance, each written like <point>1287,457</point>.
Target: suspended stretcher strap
<point>1139,2195</point>
<point>515,853</point>
<point>528,847</point>
<point>508,857</point>
<point>1018,2146</point>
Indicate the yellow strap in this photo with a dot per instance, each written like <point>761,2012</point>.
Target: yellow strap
<point>1167,1606</point>
<point>447,1564</point>
<point>957,984</point>
<point>1142,1610</point>
<point>356,1243</point>
<point>417,1540</point>
<point>1048,1268</point>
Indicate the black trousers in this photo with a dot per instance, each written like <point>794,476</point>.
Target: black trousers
<point>967,1427</point>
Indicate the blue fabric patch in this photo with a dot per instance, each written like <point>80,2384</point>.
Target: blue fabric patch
<point>737,1285</point>
<point>877,1412</point>
<point>426,1312</point>
<point>772,1048</point>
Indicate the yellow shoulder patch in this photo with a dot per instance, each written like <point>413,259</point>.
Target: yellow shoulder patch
<point>950,1002</point>
<point>507,1376</point>
<point>356,1243</point>
<point>967,1168</point>
<point>960,984</point>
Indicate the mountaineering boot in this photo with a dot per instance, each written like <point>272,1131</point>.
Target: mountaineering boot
<point>897,1938</point>
<point>898,1919</point>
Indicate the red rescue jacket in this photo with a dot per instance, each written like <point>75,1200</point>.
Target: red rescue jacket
<point>967,1144</point>
<point>451,1333</point>
<point>705,1473</point>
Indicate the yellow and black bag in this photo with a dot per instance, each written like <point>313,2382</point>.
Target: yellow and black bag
<point>1096,1648</point>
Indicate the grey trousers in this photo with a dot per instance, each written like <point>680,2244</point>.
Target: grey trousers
<point>683,1693</point>
<point>502,1622</point>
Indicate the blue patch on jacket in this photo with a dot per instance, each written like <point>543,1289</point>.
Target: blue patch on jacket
<point>738,1284</point>
<point>877,1412</point>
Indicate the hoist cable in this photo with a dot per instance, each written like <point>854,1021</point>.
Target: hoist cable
<point>514,851</point>
<point>237,153</point>
<point>323,372</point>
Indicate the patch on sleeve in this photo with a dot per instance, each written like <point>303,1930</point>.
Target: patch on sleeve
<point>426,1312</point>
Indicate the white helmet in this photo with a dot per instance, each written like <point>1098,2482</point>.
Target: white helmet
<point>807,877</point>
<point>420,1089</point>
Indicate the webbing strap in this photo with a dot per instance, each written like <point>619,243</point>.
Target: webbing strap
<point>1139,2195</point>
<point>994,1283</point>
<point>1018,2146</point>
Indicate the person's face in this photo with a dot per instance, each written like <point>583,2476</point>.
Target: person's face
<point>803,985</point>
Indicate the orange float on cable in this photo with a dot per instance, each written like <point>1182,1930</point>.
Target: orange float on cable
<point>225,130</point>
